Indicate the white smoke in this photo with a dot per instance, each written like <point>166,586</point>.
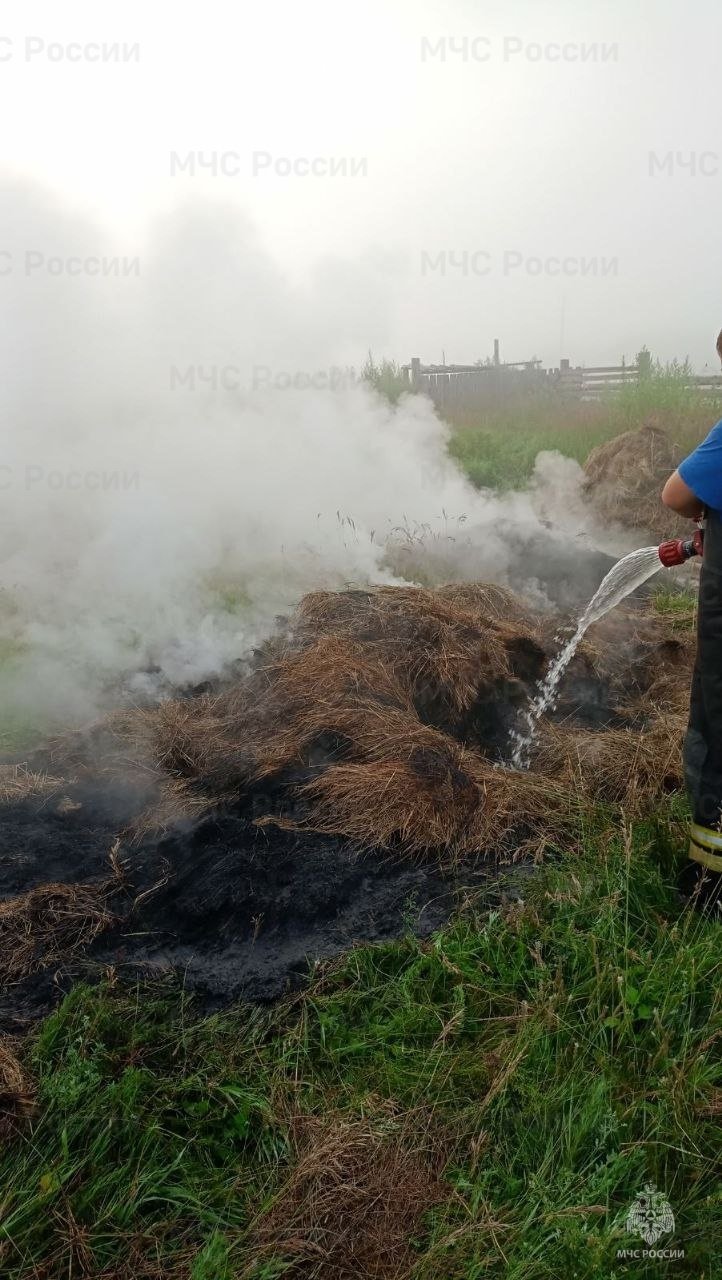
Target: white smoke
<point>165,497</point>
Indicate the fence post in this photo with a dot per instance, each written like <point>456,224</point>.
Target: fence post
<point>496,351</point>
<point>415,373</point>
<point>644,361</point>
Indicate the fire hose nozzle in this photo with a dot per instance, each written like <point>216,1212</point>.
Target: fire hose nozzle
<point>678,550</point>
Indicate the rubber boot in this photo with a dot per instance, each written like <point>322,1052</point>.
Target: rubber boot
<point>700,880</point>
<point>701,889</point>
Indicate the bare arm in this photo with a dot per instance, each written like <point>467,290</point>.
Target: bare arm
<point>679,497</point>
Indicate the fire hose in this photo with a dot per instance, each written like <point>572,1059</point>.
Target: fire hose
<point>679,550</point>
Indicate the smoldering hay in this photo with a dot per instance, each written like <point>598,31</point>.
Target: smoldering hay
<point>182,461</point>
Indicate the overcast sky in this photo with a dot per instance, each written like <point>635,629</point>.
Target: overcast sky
<point>547,172</point>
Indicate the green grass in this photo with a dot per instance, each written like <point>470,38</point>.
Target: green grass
<point>560,1052</point>
<point>552,1055</point>
<point>501,454</point>
<point>498,448</point>
<point>18,730</point>
<point>386,377</point>
<point>678,608</point>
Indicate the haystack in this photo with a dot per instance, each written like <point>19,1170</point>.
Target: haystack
<point>384,717</point>
<point>625,477</point>
<point>360,723</point>
<point>435,644</point>
<point>358,728</point>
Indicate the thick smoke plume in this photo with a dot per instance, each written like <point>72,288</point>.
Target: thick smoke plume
<point>166,493</point>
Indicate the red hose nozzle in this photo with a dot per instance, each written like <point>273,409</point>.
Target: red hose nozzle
<point>672,553</point>
<point>677,550</point>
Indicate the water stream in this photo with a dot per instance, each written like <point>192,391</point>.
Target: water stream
<point>623,578</point>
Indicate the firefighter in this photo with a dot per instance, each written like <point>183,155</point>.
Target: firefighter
<point>695,490</point>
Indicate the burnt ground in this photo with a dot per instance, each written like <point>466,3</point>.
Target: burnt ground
<point>234,910</point>
<point>242,911</point>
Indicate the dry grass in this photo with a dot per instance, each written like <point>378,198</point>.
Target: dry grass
<point>49,923</point>
<point>17,1097</point>
<point>625,477</point>
<point>462,807</point>
<point>18,783</point>
<point>522,813</point>
<point>416,807</point>
<point>354,1200</point>
<point>641,657</point>
<point>331,687</point>
<point>174,804</point>
<point>390,781</point>
<point>432,643</point>
<point>631,767</point>
<point>354,726</point>
<point>488,601</point>
<point>337,707</point>
<point>201,738</point>
<point>346,706</point>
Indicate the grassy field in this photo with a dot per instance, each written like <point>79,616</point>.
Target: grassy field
<point>498,449</point>
<point>487,1103</point>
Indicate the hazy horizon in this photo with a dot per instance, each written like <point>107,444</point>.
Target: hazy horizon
<point>434,175</point>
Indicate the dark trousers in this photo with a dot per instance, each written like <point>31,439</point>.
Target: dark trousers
<point>703,743</point>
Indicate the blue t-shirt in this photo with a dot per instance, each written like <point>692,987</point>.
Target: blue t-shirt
<point>702,470</point>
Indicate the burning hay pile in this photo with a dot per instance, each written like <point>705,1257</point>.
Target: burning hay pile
<point>386,718</point>
<point>363,758</point>
<point>382,717</point>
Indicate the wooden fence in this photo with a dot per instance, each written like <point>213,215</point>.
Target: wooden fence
<point>469,386</point>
